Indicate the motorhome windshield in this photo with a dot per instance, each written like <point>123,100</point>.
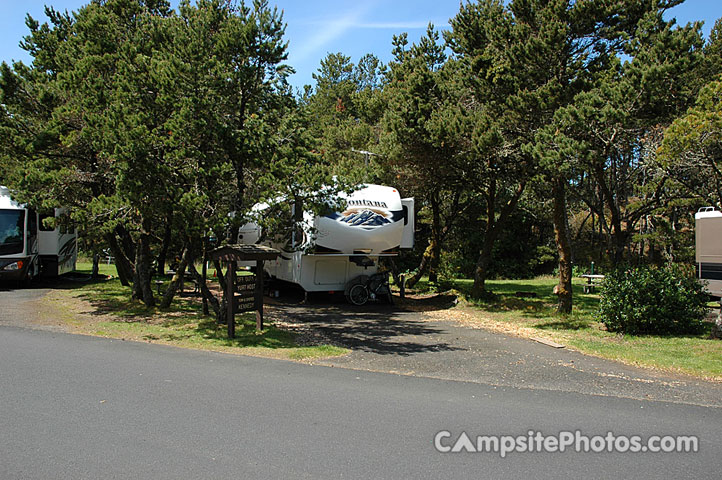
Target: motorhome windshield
<point>12,226</point>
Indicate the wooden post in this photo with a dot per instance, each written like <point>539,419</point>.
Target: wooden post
<point>259,295</point>
<point>402,285</point>
<point>230,300</point>
<point>204,277</point>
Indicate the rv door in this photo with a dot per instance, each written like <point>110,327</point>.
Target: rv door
<point>407,239</point>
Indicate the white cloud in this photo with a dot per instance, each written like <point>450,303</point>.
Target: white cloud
<point>323,32</point>
<point>400,25</point>
<point>329,31</point>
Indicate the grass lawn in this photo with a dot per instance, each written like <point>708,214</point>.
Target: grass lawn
<point>698,355</point>
<point>183,324</point>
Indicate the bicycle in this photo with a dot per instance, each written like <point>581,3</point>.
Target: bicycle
<point>366,288</point>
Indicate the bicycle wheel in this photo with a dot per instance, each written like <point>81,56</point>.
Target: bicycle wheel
<point>358,295</point>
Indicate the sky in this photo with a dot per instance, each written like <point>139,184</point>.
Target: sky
<point>316,28</point>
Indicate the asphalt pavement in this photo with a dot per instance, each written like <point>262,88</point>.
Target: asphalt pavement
<point>386,339</point>
<point>87,408</point>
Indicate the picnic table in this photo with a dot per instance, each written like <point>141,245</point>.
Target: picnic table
<point>593,281</point>
<point>186,277</point>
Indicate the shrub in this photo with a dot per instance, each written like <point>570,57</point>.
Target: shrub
<point>650,300</point>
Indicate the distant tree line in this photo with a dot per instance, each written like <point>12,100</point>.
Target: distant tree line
<point>535,135</point>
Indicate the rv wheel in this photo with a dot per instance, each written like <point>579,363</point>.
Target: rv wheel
<point>358,295</point>
<point>28,280</point>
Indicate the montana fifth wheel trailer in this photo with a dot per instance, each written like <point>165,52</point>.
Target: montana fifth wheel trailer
<point>332,250</point>
<point>29,248</point>
<point>708,248</point>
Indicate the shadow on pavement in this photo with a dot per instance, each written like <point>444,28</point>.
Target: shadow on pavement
<point>375,327</point>
<point>68,281</point>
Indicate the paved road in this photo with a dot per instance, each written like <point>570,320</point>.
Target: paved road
<point>82,407</point>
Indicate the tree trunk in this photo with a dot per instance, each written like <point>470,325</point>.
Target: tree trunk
<point>122,263</point>
<point>126,241</point>
<point>219,274</point>
<point>491,233</point>
<point>141,281</point>
<point>208,295</point>
<point>96,267</point>
<point>423,266</point>
<point>561,234</point>
<point>394,269</point>
<point>618,238</point>
<point>431,256</point>
<point>204,276</point>
<point>435,259</point>
<point>482,264</point>
<point>167,237</point>
<point>177,279</point>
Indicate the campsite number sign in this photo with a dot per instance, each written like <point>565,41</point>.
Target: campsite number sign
<point>246,293</point>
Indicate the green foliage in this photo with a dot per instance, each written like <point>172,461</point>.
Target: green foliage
<point>690,152</point>
<point>523,249</point>
<point>155,125</point>
<point>651,300</point>
<point>345,106</point>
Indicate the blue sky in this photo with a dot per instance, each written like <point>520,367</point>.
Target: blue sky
<point>318,27</point>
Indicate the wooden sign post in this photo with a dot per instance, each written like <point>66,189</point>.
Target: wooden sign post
<point>250,287</point>
<point>259,295</point>
<point>230,288</point>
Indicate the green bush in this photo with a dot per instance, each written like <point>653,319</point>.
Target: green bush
<point>650,300</point>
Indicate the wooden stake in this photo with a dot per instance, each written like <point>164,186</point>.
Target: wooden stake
<point>230,300</point>
<point>259,295</point>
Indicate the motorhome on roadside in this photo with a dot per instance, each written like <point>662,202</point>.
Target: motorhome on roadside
<point>28,247</point>
<point>333,252</point>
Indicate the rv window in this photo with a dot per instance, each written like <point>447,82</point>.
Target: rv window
<point>32,223</point>
<point>43,227</point>
<point>63,224</point>
<point>406,214</point>
<point>12,228</point>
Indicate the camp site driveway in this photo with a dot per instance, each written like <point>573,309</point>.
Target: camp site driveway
<point>387,339</point>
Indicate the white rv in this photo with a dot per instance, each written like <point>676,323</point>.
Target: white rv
<point>708,248</point>
<point>332,250</point>
<point>29,248</point>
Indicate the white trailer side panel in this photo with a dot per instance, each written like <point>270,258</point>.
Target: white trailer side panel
<point>58,248</point>
<point>708,249</point>
<point>407,237</point>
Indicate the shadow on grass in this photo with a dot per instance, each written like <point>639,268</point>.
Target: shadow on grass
<point>246,335</point>
<point>111,297</point>
<point>427,303</point>
<point>63,282</point>
<point>530,298</point>
<point>192,331</point>
<point>570,323</point>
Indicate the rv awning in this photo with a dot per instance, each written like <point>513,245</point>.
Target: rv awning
<point>241,252</point>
